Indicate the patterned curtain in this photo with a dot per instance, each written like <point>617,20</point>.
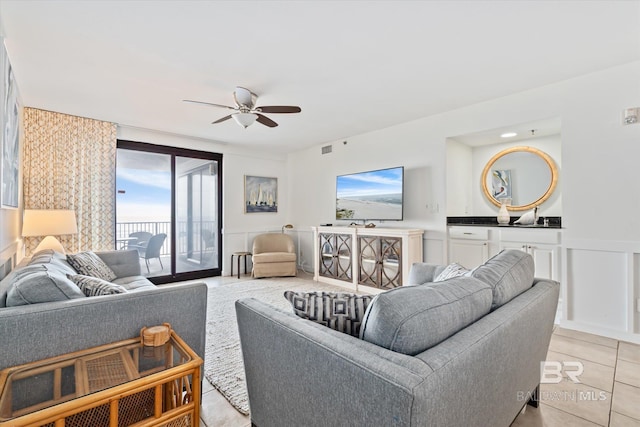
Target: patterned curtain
<point>69,163</point>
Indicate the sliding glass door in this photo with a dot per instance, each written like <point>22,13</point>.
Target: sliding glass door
<point>168,208</point>
<point>143,208</point>
<point>196,214</point>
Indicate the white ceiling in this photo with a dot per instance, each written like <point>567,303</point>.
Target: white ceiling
<point>352,66</point>
<point>523,132</point>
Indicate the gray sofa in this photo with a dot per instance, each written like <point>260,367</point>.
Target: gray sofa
<point>73,322</point>
<point>463,352</point>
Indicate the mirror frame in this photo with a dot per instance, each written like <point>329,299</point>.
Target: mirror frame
<point>544,156</point>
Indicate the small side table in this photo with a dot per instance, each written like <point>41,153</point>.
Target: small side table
<point>118,384</point>
<point>244,255</point>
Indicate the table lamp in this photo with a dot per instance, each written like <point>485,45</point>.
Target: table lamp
<point>49,223</point>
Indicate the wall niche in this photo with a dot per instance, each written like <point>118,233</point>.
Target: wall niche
<point>468,154</point>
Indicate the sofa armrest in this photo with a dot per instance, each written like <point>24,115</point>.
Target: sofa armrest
<point>321,374</point>
<point>38,331</point>
<point>123,263</point>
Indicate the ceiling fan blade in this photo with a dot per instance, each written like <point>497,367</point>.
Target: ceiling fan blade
<point>279,109</point>
<point>244,97</point>
<point>222,119</point>
<point>208,103</point>
<point>266,121</point>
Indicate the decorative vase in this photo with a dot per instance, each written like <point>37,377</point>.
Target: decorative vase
<point>503,214</point>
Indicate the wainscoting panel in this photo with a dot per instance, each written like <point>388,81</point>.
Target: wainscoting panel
<point>601,287</point>
<point>434,248</point>
<point>8,259</point>
<point>233,242</point>
<point>597,288</point>
<point>433,251</point>
<point>306,248</point>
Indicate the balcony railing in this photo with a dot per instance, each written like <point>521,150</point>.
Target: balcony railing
<point>193,237</point>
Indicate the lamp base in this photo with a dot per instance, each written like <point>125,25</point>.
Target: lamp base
<point>50,242</point>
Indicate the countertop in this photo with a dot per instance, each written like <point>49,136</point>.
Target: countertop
<point>491,221</point>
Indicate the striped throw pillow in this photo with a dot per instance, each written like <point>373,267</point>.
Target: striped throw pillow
<point>451,271</point>
<point>90,264</point>
<point>93,286</point>
<point>340,311</point>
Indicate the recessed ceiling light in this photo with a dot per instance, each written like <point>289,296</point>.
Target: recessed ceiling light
<point>508,135</point>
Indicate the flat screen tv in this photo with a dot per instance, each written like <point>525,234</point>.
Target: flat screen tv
<point>374,195</point>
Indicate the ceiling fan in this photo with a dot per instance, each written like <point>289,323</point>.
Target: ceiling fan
<point>246,110</point>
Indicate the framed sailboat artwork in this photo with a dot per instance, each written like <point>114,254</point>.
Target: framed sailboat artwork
<point>260,194</point>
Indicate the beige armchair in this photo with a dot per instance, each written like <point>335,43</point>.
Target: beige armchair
<point>273,255</point>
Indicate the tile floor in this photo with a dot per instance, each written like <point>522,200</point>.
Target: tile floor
<point>608,395</point>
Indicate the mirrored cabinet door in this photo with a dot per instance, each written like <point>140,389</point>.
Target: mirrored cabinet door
<point>391,254</point>
<point>380,260</point>
<point>336,255</point>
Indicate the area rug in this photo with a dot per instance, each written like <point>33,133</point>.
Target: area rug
<point>223,365</point>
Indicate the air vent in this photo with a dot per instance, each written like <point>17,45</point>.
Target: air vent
<point>327,149</point>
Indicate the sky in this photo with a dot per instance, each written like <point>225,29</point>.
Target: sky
<point>146,197</point>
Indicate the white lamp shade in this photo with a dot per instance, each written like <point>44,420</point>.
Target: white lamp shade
<point>245,119</point>
<point>46,222</point>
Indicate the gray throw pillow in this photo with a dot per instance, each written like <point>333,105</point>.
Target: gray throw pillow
<point>451,271</point>
<point>336,310</point>
<point>35,284</point>
<point>93,286</point>
<point>89,264</point>
<point>52,259</point>
<point>412,319</point>
<point>509,274</point>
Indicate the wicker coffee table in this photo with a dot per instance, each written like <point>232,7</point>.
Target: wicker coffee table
<point>118,384</point>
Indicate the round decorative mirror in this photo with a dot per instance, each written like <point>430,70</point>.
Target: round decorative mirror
<point>525,175</point>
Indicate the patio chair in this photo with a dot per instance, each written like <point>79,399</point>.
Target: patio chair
<point>208,240</point>
<point>153,248</point>
<point>142,238</point>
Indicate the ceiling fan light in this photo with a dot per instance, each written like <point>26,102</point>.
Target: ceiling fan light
<point>245,119</point>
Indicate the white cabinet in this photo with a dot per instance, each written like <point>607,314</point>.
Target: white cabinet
<point>543,245</point>
<point>471,246</point>
<point>377,258</point>
<point>468,246</point>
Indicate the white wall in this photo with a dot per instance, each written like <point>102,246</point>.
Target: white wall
<point>600,181</point>
<point>598,155</point>
<point>460,182</point>
<point>239,228</point>
<point>416,147</point>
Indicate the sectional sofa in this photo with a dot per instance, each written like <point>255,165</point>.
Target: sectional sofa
<point>49,317</point>
<point>462,352</point>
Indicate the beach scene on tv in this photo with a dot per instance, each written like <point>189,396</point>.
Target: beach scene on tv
<point>374,195</point>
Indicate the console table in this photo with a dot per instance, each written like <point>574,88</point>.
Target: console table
<point>360,258</point>
<point>118,384</point>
